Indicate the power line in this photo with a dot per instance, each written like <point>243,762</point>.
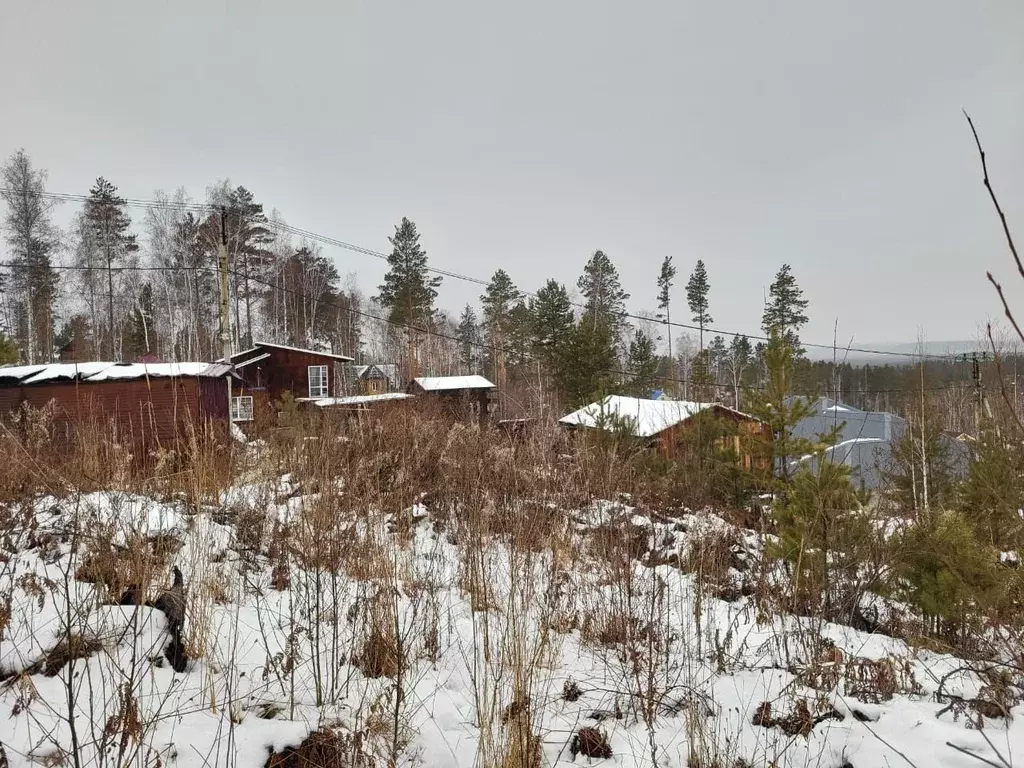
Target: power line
<point>449,337</point>
<point>327,240</point>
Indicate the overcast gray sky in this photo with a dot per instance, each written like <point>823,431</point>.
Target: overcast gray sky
<point>526,135</point>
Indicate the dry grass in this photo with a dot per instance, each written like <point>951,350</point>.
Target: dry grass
<point>507,505</point>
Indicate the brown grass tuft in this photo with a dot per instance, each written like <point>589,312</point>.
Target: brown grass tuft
<point>322,749</point>
<point>592,743</point>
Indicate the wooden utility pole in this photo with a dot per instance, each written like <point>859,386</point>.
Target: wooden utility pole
<point>222,267</point>
<point>225,330</point>
<point>924,447</point>
<point>981,406</point>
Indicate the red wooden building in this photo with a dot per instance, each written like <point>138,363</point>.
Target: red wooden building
<point>267,372</point>
<point>466,398</point>
<point>664,426</point>
<point>144,406</point>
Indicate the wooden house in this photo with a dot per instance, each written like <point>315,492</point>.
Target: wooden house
<point>75,351</point>
<point>269,372</point>
<point>374,379</point>
<point>141,406</point>
<point>666,426</point>
<point>466,398</point>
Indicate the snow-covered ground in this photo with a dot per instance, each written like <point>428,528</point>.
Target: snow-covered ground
<point>431,648</point>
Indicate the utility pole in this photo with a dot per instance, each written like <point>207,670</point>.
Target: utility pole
<point>981,407</point>
<point>225,330</point>
<point>222,266</point>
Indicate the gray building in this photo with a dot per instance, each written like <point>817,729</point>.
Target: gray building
<point>865,439</point>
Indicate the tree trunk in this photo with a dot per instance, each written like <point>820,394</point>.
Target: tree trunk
<point>248,300</point>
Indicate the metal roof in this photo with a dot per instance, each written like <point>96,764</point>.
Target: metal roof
<point>16,375</point>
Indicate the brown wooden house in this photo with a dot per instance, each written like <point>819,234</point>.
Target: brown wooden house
<point>668,425</point>
<point>374,379</point>
<point>140,406</point>
<point>75,351</point>
<point>467,398</point>
<point>269,373</point>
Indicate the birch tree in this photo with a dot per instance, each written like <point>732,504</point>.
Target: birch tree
<point>32,238</point>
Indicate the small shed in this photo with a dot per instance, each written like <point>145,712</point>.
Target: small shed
<point>137,404</point>
<point>663,423</point>
<point>269,371</point>
<point>467,398</point>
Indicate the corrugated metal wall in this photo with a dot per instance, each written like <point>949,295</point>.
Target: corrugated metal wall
<point>145,412</point>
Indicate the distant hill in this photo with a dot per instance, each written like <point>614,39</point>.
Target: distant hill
<point>901,353</point>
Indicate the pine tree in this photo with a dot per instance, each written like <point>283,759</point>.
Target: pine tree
<point>469,341</point>
<point>697,288</point>
<point>519,341</point>
<point>718,356</point>
<point>107,218</point>
<point>8,350</point>
<point>665,280</point>
<point>605,301</point>
<point>249,239</point>
<point>32,237</point>
<point>552,321</point>
<point>702,378</point>
<point>585,369</point>
<point>775,407</point>
<point>951,575</point>
<point>408,291</point>
<point>497,301</point>
<point>642,363</point>
<point>76,329</point>
<point>993,491</point>
<point>785,312</point>
<point>592,353</point>
<point>822,536</point>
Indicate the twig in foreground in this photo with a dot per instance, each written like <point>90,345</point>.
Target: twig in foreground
<point>977,757</point>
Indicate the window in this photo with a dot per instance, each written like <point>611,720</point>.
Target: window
<point>241,408</point>
<point>318,381</point>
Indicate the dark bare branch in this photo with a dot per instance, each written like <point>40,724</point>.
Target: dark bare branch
<point>1002,381</point>
<point>995,200</point>
<point>1006,307</point>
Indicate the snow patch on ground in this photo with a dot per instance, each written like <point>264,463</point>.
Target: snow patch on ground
<point>271,665</point>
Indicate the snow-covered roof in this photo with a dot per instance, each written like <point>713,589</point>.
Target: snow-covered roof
<point>19,371</point>
<point>342,358</point>
<point>325,402</point>
<point>140,370</point>
<point>443,383</point>
<point>251,360</point>
<point>66,371</point>
<point>107,371</point>
<point>647,417</point>
<point>258,345</point>
<point>388,370</point>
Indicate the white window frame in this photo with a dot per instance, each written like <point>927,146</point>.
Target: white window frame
<point>322,390</point>
<point>238,413</point>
